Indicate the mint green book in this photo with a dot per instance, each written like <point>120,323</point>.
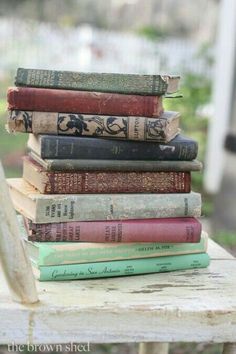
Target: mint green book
<point>101,82</point>
<point>122,267</point>
<point>58,253</point>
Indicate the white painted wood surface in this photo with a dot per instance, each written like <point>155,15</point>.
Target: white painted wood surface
<point>15,262</point>
<point>189,306</point>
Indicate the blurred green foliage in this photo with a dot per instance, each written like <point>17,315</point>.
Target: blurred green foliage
<point>152,32</point>
<point>196,91</point>
<point>11,146</point>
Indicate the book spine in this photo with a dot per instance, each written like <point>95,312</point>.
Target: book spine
<point>119,165</point>
<point>93,207</point>
<point>65,253</point>
<point>123,267</point>
<point>67,101</point>
<point>112,182</point>
<point>54,147</point>
<point>129,128</point>
<point>125,84</point>
<point>88,253</point>
<point>176,230</point>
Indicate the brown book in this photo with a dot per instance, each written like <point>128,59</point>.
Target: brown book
<point>69,101</point>
<point>162,129</point>
<point>104,182</point>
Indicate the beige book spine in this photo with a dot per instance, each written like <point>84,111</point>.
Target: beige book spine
<point>161,129</point>
<point>76,207</point>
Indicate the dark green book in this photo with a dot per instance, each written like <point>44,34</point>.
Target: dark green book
<point>71,147</point>
<point>101,82</point>
<point>116,165</point>
<point>122,267</point>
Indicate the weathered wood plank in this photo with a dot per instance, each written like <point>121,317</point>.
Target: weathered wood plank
<point>217,252</point>
<point>15,262</point>
<point>150,308</point>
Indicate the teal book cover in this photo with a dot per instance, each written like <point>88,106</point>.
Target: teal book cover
<point>122,267</point>
<point>57,253</point>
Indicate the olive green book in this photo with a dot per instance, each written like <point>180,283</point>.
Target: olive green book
<point>43,208</point>
<point>153,85</point>
<point>115,165</point>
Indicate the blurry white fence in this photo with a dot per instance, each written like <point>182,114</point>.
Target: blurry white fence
<point>41,45</point>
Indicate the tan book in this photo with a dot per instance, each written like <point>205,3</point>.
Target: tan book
<point>162,129</point>
<point>43,208</point>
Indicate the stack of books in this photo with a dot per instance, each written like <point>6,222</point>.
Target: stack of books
<point>106,187</point>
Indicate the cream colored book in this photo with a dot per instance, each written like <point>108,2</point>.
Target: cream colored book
<point>42,208</point>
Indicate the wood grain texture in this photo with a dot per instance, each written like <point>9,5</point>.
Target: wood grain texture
<point>15,262</point>
<point>189,306</point>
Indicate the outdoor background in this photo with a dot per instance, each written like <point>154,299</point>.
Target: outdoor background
<point>132,36</point>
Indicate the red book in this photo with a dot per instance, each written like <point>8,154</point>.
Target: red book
<point>170,230</point>
<point>69,101</point>
<point>69,182</point>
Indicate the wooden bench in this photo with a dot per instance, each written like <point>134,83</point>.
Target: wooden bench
<point>184,306</point>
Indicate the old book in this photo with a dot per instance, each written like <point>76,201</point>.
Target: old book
<point>104,182</point>
<point>43,208</point>
<point>51,253</point>
<point>121,267</point>
<point>177,230</point>
<point>101,82</point>
<point>162,129</point>
<point>70,147</point>
<point>68,101</point>
<point>116,165</point>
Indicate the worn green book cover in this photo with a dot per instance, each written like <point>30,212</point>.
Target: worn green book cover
<point>100,82</point>
<point>122,267</point>
<point>56,253</point>
<point>43,208</point>
<point>116,165</point>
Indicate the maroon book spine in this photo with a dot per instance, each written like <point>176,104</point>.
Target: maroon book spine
<point>104,182</point>
<point>69,101</point>
<point>117,182</point>
<point>170,230</point>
